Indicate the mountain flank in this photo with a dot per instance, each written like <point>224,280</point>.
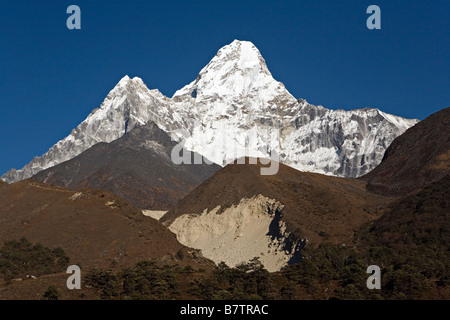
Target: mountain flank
<point>415,159</point>
<point>94,227</point>
<point>136,167</point>
<point>299,208</point>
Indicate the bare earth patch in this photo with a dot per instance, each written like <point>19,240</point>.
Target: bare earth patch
<point>155,214</point>
<point>237,234</point>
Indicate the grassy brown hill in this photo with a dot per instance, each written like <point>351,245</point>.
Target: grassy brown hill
<point>410,243</point>
<point>95,228</point>
<point>316,207</point>
<point>415,159</point>
<point>422,219</point>
<point>136,167</point>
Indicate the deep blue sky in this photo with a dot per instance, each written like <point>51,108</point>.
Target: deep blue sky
<point>51,77</point>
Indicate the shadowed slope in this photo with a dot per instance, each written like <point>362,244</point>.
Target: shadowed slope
<point>415,159</point>
<point>136,167</point>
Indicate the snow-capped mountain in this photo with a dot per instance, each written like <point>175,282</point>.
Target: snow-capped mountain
<point>236,108</point>
<point>120,112</point>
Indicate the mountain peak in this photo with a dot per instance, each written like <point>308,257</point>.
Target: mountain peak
<point>237,71</point>
<point>125,86</point>
<point>125,79</point>
<point>237,56</point>
<point>242,51</point>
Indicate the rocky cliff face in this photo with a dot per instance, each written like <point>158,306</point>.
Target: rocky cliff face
<point>235,108</point>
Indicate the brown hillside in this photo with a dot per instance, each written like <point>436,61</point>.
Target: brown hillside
<point>417,158</point>
<point>94,227</point>
<point>317,207</point>
<point>422,219</point>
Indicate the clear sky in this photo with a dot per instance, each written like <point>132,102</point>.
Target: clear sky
<point>51,77</point>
